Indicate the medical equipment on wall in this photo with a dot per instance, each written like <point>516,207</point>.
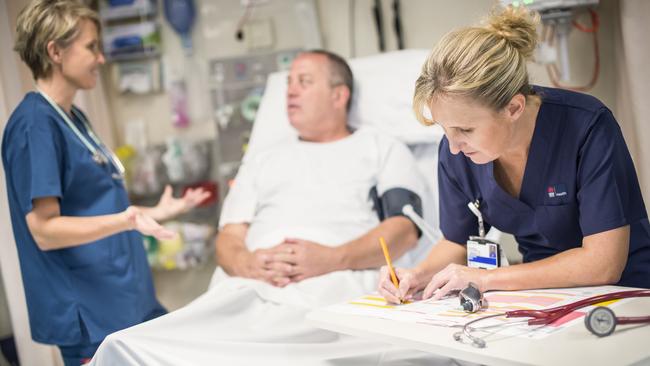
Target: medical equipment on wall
<point>180,15</point>
<point>179,100</point>
<point>137,77</point>
<point>173,160</point>
<point>190,248</point>
<point>379,24</point>
<point>599,322</point>
<point>236,88</point>
<point>558,20</point>
<point>101,156</point>
<point>185,161</point>
<point>397,24</point>
<point>119,9</point>
<point>129,41</point>
<point>248,12</point>
<point>147,176</point>
<point>184,81</point>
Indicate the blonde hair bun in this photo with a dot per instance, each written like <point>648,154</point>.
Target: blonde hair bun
<point>516,25</point>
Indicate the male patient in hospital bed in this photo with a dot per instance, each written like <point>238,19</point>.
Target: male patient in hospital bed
<point>299,229</point>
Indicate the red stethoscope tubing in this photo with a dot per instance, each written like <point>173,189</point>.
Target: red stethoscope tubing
<point>548,316</point>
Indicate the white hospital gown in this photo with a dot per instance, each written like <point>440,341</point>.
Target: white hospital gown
<point>312,191</point>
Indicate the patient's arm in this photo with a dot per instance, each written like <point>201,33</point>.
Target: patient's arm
<point>309,259</point>
<point>237,260</point>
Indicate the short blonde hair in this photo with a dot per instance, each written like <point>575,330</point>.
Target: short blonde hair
<point>487,64</point>
<point>43,21</point>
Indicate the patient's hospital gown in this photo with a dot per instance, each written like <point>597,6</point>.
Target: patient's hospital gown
<point>313,191</point>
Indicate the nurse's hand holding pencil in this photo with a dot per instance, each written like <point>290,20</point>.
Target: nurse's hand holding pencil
<point>398,285</point>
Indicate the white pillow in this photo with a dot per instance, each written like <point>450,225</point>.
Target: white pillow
<point>383,96</point>
<point>384,85</point>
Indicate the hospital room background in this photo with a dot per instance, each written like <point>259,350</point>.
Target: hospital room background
<point>179,107</point>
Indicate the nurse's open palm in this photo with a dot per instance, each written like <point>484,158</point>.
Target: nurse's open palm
<point>408,284</point>
<point>146,225</point>
<point>168,206</point>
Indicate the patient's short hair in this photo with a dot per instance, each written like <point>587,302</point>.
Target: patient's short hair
<point>340,72</point>
<point>43,21</point>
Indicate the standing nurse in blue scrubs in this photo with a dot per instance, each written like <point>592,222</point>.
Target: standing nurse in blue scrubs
<point>79,240</point>
<point>549,166</point>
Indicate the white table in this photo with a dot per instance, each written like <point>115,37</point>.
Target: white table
<point>630,344</point>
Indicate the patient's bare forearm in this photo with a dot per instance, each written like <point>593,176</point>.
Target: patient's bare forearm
<point>231,249</point>
<point>363,253</point>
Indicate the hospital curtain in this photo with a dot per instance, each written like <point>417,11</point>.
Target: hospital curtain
<point>14,81</point>
<point>633,84</point>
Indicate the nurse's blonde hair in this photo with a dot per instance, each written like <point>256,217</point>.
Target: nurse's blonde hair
<point>486,64</point>
<point>43,21</point>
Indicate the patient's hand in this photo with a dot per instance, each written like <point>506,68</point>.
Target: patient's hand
<point>307,258</point>
<point>262,265</point>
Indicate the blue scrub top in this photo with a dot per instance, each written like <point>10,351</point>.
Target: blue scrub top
<point>579,180</point>
<point>103,285</point>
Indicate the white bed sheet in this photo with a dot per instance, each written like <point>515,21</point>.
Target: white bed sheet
<point>235,323</point>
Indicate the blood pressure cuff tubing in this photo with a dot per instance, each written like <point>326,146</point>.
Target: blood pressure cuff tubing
<point>390,204</point>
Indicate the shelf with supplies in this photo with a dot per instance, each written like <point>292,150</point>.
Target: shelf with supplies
<point>120,10</point>
<point>183,165</point>
<point>132,44</point>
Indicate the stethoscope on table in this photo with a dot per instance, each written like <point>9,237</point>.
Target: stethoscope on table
<point>102,156</point>
<point>600,321</point>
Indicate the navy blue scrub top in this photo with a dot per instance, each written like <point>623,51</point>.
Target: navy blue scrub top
<point>103,285</point>
<point>579,180</point>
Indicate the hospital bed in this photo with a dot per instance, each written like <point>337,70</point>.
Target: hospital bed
<point>213,325</point>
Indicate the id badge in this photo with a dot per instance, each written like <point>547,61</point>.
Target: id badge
<point>483,253</point>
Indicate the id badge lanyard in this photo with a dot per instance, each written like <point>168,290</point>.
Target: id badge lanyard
<point>481,251</point>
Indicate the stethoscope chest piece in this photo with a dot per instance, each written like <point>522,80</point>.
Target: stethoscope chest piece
<point>471,299</point>
<point>601,321</point>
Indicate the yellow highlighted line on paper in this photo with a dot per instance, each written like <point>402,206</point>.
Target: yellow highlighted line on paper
<point>373,305</point>
<point>375,298</point>
<point>382,300</point>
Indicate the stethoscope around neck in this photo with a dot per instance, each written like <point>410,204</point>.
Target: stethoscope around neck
<point>101,156</point>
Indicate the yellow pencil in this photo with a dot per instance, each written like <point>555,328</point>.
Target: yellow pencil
<point>393,277</point>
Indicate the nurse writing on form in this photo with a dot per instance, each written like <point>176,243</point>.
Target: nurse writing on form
<point>549,166</point>
<point>83,264</point>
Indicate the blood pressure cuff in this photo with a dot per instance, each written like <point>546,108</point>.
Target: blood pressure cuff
<point>390,204</point>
